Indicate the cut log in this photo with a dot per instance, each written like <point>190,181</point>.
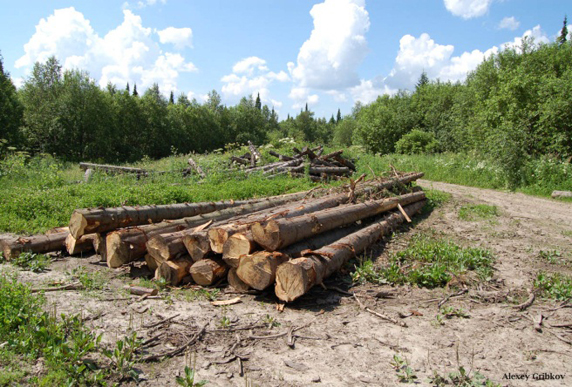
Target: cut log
<point>259,269</point>
<point>173,272</point>
<point>167,246</point>
<point>99,245</point>
<point>236,282</point>
<point>198,245</point>
<point>92,220</point>
<point>38,244</point>
<point>237,245</point>
<point>112,168</point>
<point>255,153</point>
<point>219,234</point>
<point>196,167</point>
<point>309,152</point>
<point>84,244</point>
<point>296,277</point>
<point>299,168</point>
<point>329,170</point>
<point>279,233</point>
<point>152,264</point>
<point>332,155</point>
<point>57,230</point>
<point>345,162</point>
<point>561,194</point>
<point>281,157</point>
<point>208,271</point>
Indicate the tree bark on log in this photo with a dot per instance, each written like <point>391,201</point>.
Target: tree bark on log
<point>236,282</point>
<point>88,221</point>
<point>38,244</point>
<point>173,272</point>
<point>281,157</point>
<point>279,233</point>
<point>84,244</point>
<point>329,170</point>
<point>296,277</point>
<point>167,246</point>
<point>332,155</point>
<point>152,264</point>
<point>208,271</point>
<point>112,168</point>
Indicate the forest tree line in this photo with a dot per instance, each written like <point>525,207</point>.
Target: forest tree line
<point>516,106</point>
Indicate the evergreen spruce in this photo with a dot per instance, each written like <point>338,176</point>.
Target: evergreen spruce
<point>258,103</point>
<point>339,116</point>
<point>563,32</point>
<point>135,93</point>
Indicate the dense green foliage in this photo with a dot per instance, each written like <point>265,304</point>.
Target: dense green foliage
<point>64,113</point>
<point>514,109</point>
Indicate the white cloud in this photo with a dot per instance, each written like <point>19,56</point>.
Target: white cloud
<point>509,23</point>
<point>249,65</point>
<point>337,45</point>
<point>142,4</point>
<point>251,76</point>
<point>468,9</point>
<point>127,53</point>
<point>302,96</point>
<point>179,37</point>
<point>368,91</point>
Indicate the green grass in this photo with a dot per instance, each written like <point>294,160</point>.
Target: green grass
<point>28,333</point>
<point>556,285</point>
<point>478,211</point>
<point>429,262</point>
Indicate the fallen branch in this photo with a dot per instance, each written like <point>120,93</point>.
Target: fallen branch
<point>177,350</point>
<point>72,286</point>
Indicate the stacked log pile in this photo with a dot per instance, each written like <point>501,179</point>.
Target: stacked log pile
<point>310,162</point>
<point>291,242</point>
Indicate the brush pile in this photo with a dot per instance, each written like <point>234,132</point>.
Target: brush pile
<point>291,242</point>
<point>306,162</point>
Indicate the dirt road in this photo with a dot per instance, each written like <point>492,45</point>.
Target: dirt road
<point>336,343</point>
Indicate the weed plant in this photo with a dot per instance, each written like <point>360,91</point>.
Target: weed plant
<point>478,211</point>
<point>556,285</point>
<point>429,262</point>
<point>36,263</point>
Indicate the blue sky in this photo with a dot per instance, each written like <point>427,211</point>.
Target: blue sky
<point>328,53</point>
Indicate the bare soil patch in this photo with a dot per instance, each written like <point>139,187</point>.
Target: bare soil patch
<point>325,338</point>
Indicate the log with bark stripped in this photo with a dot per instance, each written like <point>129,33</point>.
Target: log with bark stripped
<point>278,233</point>
<point>196,167</point>
<point>82,245</point>
<point>39,244</point>
<point>208,271</point>
<point>237,245</point>
<point>296,277</point>
<point>329,170</point>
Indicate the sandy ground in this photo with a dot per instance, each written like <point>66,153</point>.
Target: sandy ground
<point>336,343</point>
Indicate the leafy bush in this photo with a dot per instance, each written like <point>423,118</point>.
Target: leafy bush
<point>557,285</point>
<point>417,141</point>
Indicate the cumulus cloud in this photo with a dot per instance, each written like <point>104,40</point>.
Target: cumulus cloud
<point>127,53</point>
<point>536,35</point>
<point>142,3</point>
<point>337,45</point>
<point>302,96</point>
<point>179,37</point>
<point>251,76</point>
<point>468,9</point>
<point>368,90</point>
<point>509,23</point>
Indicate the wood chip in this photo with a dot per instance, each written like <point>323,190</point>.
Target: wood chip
<point>232,301</point>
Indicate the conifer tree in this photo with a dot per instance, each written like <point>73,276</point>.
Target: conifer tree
<point>171,98</point>
<point>563,32</point>
<point>258,103</point>
<point>127,89</point>
<point>306,106</point>
<point>135,93</point>
<point>339,117</point>
<point>423,80</point>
